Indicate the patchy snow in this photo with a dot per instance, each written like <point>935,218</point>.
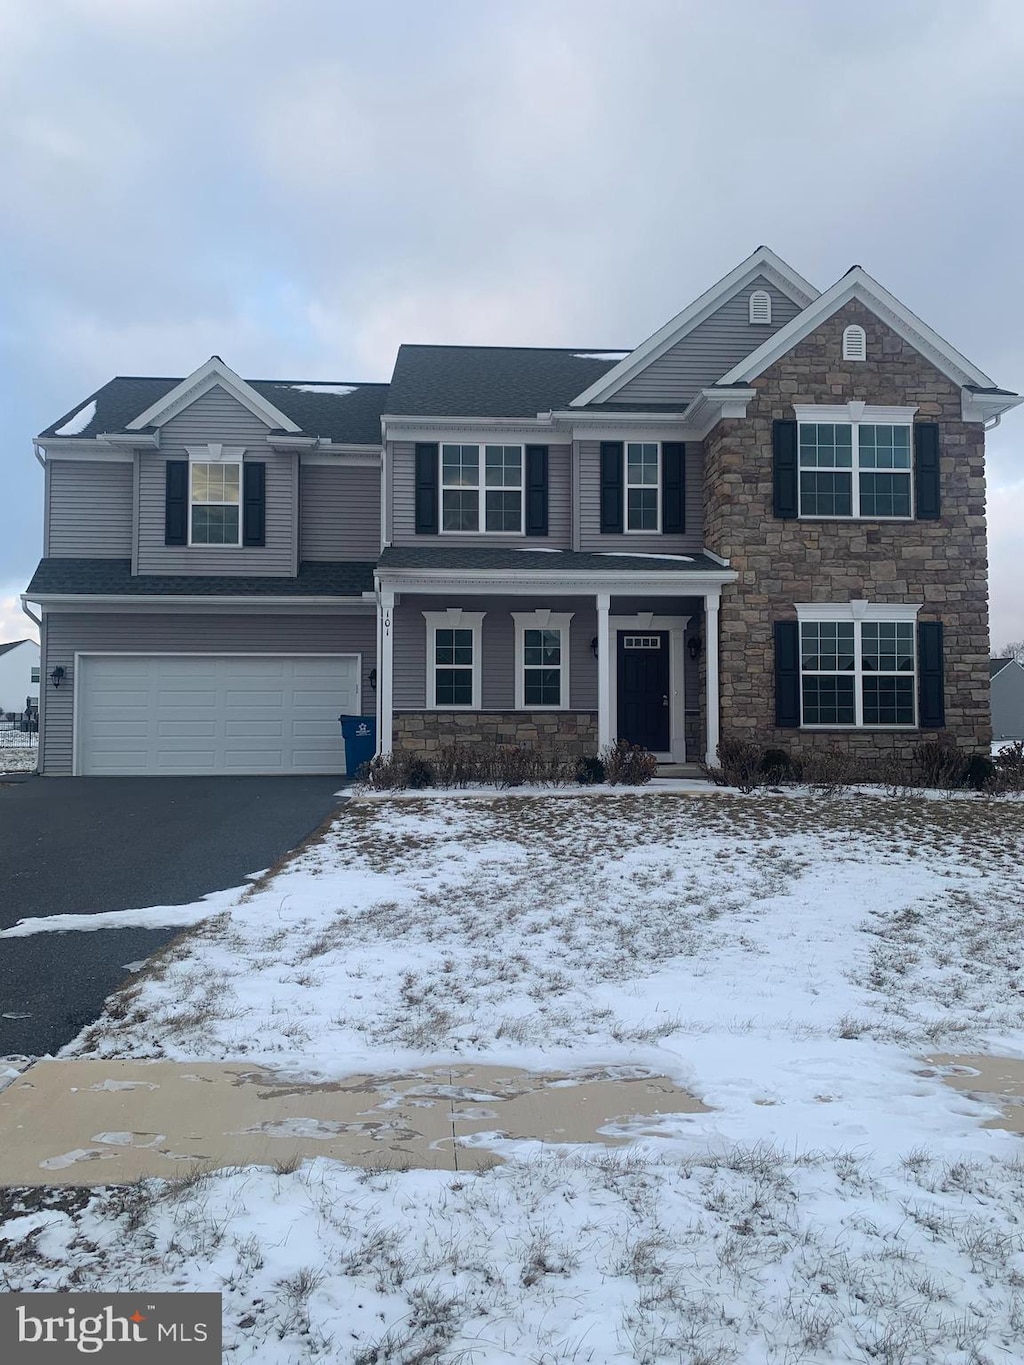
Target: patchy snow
<point>20,759</point>
<point>78,422</point>
<point>600,355</point>
<point>643,554</point>
<point>538,550</point>
<point>789,961</point>
<point>153,917</point>
<point>340,389</point>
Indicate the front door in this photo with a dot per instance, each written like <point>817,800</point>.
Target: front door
<point>643,689</point>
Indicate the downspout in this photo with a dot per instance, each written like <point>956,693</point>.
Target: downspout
<point>42,678</point>
<point>35,452</point>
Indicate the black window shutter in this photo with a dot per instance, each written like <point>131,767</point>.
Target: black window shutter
<point>611,487</point>
<point>426,488</point>
<point>673,490</point>
<point>931,701</point>
<point>536,490</point>
<point>927,499</point>
<point>254,503</point>
<point>787,674</point>
<point>784,468</point>
<point>176,503</point>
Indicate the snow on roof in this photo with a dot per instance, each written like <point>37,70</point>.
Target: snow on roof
<point>600,355</point>
<point>643,554</point>
<point>340,389</point>
<point>76,424</point>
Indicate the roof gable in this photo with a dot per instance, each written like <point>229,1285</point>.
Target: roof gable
<point>858,285</point>
<point>8,645</point>
<point>761,263</point>
<point>207,377</point>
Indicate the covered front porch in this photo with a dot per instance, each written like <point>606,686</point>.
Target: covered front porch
<point>578,653</point>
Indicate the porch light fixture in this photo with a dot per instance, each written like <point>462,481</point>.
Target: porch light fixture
<point>57,676</point>
<point>373,679</point>
<point>694,645</point>
<point>593,646</point>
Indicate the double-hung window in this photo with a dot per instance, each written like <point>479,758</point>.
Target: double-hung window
<point>482,488</point>
<point>855,670</point>
<point>855,469</point>
<point>453,659</point>
<point>643,486</point>
<point>542,660</point>
<point>215,504</point>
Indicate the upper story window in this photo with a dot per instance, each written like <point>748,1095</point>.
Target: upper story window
<point>643,486</point>
<point>855,343</point>
<point>215,504</point>
<point>34,674</point>
<point>855,469</point>
<point>760,306</point>
<point>482,488</point>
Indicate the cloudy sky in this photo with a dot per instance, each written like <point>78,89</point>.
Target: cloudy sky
<point>298,185</point>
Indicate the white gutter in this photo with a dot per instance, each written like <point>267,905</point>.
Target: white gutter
<point>196,599</point>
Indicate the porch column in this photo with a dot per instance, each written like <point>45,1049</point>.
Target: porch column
<point>711,602</point>
<point>385,670</point>
<point>604,677</point>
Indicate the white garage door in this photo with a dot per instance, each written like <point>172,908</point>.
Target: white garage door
<point>231,714</point>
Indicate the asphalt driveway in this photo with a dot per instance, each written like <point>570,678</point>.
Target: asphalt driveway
<point>79,845</point>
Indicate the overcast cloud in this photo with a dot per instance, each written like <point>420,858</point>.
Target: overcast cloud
<point>299,185</point>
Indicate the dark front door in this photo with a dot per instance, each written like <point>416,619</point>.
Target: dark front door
<point>643,688</point>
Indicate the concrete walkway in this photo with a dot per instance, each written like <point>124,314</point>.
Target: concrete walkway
<point>100,1123</point>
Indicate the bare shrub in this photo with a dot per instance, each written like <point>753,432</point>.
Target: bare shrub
<point>829,772</point>
<point>628,765</point>
<point>1009,767</point>
<point>739,765</point>
<point>397,771</point>
<point>941,764</point>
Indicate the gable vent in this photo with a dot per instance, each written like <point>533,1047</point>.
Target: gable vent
<point>760,306</point>
<point>855,343</point>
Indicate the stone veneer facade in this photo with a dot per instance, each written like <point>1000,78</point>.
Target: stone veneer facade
<point>942,564</point>
<point>424,732</point>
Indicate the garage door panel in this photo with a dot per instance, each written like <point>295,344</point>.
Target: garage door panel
<point>213,714</point>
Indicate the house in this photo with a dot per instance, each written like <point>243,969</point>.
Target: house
<point>1007,698</point>
<point>765,521</point>
<point>19,675</point>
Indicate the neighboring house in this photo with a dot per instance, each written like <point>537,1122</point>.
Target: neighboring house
<point>19,675</point>
<point>766,521</point>
<point>1007,698</point>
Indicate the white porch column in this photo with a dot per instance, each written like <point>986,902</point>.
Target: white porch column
<point>385,670</point>
<point>711,602</point>
<point>604,675</point>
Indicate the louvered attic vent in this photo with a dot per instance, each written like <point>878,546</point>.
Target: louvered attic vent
<point>760,306</point>
<point>855,344</point>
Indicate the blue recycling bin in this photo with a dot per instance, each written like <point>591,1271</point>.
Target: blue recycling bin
<point>360,734</point>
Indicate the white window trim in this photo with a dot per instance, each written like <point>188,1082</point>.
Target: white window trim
<point>454,619</point>
<point>542,619</point>
<point>858,611</point>
<point>854,414</point>
<point>205,544</point>
<point>482,489</point>
<point>758,296</point>
<point>626,486</point>
<point>855,331</point>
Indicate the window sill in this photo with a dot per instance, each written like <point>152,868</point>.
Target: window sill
<point>858,521</point>
<point>858,729</point>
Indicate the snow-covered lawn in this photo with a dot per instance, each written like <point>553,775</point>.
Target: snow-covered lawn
<point>790,960</point>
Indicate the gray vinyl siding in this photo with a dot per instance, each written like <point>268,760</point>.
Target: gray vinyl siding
<point>340,513</point>
<point>498,648</point>
<point>88,509</point>
<point>709,351</point>
<point>179,633</point>
<point>402,484</point>
<point>1008,703</point>
<point>591,539</point>
<point>216,416</point>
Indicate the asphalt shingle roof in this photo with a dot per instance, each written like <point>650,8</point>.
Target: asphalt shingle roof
<point>491,381</point>
<point>114,577</point>
<point>8,645</point>
<point>997,665</point>
<point>463,557</point>
<point>353,418</point>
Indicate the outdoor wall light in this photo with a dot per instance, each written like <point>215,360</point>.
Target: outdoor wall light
<point>373,679</point>
<point>57,676</point>
<point>693,647</point>
<point>593,646</point>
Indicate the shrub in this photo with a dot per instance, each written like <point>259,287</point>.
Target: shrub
<point>829,772</point>
<point>1009,767</point>
<point>980,773</point>
<point>396,771</point>
<point>739,765</point>
<point>628,765</point>
<point>776,767</point>
<point>589,771</point>
<point>895,775</point>
<point>941,764</point>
